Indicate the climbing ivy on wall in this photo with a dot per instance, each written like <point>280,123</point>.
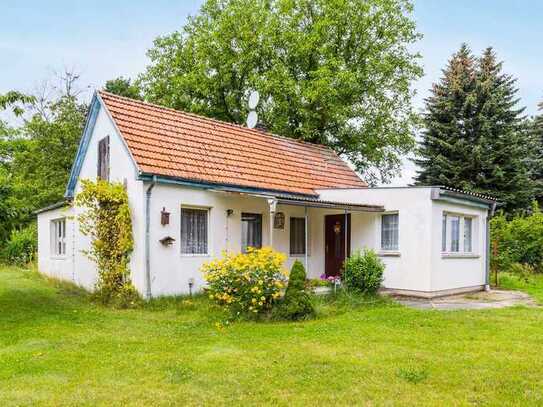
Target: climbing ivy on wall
<point>106,220</point>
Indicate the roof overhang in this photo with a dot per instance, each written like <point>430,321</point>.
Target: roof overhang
<point>56,205</point>
<point>317,203</point>
<point>460,197</point>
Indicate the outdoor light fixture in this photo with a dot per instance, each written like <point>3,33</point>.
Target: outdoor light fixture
<point>229,212</point>
<point>164,217</point>
<point>167,241</point>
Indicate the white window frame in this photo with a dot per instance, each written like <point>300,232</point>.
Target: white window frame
<point>208,221</point>
<point>56,239</point>
<point>448,252</point>
<point>383,251</point>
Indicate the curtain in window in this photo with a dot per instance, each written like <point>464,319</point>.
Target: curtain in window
<point>455,233</point>
<point>389,232</point>
<point>297,236</point>
<point>251,231</point>
<point>193,231</point>
<point>467,235</point>
<point>444,233</point>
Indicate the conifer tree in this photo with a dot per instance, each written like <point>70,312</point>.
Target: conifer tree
<point>476,137</point>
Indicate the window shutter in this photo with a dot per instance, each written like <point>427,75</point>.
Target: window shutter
<point>103,159</point>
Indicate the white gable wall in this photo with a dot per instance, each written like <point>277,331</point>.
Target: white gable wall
<point>122,170</point>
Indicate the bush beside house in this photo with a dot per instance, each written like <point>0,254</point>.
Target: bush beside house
<point>21,246</point>
<point>247,283</point>
<point>297,303</point>
<point>363,272</point>
<point>517,244</point>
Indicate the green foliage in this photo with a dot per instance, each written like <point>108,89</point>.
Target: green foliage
<point>246,283</point>
<point>14,100</point>
<point>329,71</point>
<point>519,240</point>
<point>363,272</point>
<point>123,87</point>
<point>21,246</point>
<point>108,223</point>
<point>296,304</point>
<point>475,138</point>
<point>36,158</point>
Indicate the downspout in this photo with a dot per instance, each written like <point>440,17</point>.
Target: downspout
<point>148,193</point>
<point>487,260</point>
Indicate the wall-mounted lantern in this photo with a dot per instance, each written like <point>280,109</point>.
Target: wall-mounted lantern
<point>167,241</point>
<point>164,217</point>
<point>279,220</point>
<point>229,212</point>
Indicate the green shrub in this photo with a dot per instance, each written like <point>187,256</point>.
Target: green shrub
<point>519,240</point>
<point>363,272</point>
<point>21,246</point>
<point>296,304</point>
<point>246,283</point>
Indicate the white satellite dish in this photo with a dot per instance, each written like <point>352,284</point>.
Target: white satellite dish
<point>252,119</point>
<point>254,97</point>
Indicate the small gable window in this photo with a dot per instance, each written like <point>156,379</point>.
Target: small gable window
<point>58,237</point>
<point>103,159</point>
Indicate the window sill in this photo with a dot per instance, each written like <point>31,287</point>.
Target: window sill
<point>389,253</point>
<point>459,256</point>
<point>299,255</point>
<point>195,255</point>
<point>59,257</point>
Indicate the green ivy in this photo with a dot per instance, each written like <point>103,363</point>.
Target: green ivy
<point>108,223</point>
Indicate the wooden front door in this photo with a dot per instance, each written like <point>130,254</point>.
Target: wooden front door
<point>334,240</point>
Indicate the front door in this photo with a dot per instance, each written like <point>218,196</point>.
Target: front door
<point>334,227</point>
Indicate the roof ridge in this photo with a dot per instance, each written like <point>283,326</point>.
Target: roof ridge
<point>221,122</point>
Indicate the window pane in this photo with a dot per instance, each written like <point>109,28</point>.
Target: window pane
<point>467,235</point>
<point>389,232</point>
<point>297,236</point>
<point>193,231</point>
<point>251,231</point>
<point>444,233</point>
<point>455,233</point>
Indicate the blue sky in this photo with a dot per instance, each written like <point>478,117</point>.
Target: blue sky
<point>105,39</point>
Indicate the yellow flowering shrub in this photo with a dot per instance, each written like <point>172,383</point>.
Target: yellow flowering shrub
<point>246,283</point>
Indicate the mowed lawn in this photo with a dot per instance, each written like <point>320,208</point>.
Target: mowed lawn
<point>57,348</point>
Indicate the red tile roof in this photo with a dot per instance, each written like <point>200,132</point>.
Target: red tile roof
<point>175,144</point>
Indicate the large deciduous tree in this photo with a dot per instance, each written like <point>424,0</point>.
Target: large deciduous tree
<point>123,87</point>
<point>329,71</point>
<point>475,136</point>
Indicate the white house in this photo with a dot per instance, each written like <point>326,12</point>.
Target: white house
<point>213,186</point>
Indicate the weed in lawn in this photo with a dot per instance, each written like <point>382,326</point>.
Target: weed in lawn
<point>178,374</point>
<point>413,374</point>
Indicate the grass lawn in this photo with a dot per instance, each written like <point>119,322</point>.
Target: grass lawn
<point>57,348</point>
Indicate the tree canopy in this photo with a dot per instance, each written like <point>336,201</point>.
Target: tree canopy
<point>475,136</point>
<point>334,72</point>
<point>123,87</point>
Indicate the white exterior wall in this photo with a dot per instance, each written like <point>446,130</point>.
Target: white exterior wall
<point>171,270</point>
<point>83,270</point>
<point>458,271</point>
<point>409,268</point>
<point>61,267</point>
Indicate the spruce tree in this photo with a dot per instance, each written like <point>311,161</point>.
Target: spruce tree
<point>537,137</point>
<point>446,147</point>
<point>476,137</point>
